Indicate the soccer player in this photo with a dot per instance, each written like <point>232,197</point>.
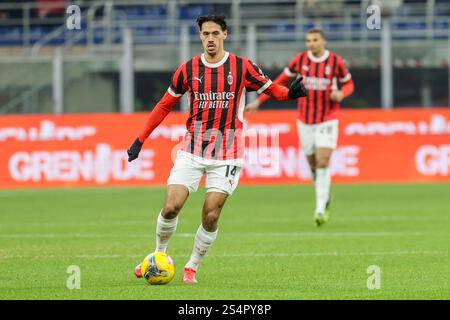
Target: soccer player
<point>317,121</point>
<point>216,82</point>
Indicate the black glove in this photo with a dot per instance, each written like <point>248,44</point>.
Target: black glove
<point>134,150</point>
<point>297,89</point>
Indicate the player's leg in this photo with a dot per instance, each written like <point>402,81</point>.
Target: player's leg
<point>221,181</point>
<point>326,141</point>
<point>167,221</point>
<point>312,166</point>
<point>184,178</point>
<point>323,180</point>
<point>307,141</point>
<point>206,233</point>
<point>307,138</point>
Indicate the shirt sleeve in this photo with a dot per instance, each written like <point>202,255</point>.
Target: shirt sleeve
<point>161,110</point>
<point>255,79</point>
<point>342,73</point>
<point>178,85</point>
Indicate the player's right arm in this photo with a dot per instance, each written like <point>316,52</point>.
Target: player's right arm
<point>289,72</point>
<point>177,87</point>
<point>256,80</point>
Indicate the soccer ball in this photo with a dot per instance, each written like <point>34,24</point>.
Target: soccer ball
<point>158,268</point>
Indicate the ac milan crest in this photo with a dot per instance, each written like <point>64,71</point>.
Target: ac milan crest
<point>230,78</point>
<point>327,70</point>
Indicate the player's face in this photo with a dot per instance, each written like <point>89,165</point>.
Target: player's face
<point>315,42</point>
<point>212,37</point>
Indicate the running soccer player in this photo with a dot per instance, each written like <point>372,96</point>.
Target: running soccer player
<point>317,115</point>
<point>216,82</point>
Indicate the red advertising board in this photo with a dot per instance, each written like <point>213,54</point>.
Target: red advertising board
<point>375,146</point>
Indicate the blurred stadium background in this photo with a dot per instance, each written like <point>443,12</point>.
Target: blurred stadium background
<point>33,33</point>
<point>72,101</point>
<point>120,61</point>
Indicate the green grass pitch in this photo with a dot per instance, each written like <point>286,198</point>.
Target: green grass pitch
<point>267,247</point>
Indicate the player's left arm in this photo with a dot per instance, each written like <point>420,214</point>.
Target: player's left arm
<point>256,80</point>
<point>345,78</point>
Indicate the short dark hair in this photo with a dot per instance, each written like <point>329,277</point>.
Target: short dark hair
<point>216,18</point>
<point>317,30</point>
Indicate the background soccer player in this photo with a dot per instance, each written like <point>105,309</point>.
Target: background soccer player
<point>216,82</point>
<point>317,117</point>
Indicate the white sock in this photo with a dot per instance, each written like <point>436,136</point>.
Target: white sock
<point>203,240</point>
<point>164,230</point>
<point>323,181</point>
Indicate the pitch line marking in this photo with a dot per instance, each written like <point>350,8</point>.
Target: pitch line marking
<point>231,222</point>
<point>239,255</point>
<point>225,234</point>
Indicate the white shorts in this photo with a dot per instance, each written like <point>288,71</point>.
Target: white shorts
<point>188,170</point>
<point>320,135</point>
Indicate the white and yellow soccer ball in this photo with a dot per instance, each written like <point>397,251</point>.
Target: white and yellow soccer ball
<point>158,268</point>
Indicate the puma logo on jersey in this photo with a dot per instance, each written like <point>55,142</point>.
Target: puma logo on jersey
<point>198,79</point>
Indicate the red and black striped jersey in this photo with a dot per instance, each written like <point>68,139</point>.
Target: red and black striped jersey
<point>216,95</point>
<point>320,78</point>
